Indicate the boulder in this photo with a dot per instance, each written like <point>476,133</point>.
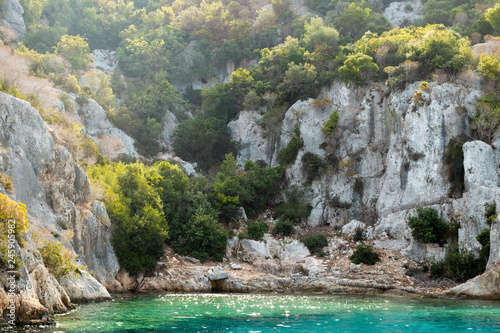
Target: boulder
<point>236,267</point>
<point>404,12</point>
<point>486,285</point>
<point>84,288</point>
<point>252,250</point>
<point>480,166</point>
<point>217,273</point>
<point>351,227</point>
<point>12,16</point>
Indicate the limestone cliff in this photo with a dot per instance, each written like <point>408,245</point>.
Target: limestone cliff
<point>385,158</point>
<point>57,194</point>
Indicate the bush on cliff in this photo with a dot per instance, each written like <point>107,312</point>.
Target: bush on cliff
<point>427,226</point>
<point>364,254</point>
<point>315,243</point>
<point>459,264</point>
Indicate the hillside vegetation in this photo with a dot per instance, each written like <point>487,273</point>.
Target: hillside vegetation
<point>163,46</point>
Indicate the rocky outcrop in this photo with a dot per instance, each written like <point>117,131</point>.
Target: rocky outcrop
<point>12,16</point>
<point>57,194</point>
<point>485,285</point>
<point>384,159</point>
<point>112,141</point>
<point>404,13</point>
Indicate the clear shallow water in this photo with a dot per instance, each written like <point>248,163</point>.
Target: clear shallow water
<point>280,313</point>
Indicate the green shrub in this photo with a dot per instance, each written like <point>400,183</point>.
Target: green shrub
<point>315,243</point>
<point>330,125</point>
<point>75,49</point>
<point>256,229</point>
<point>484,239</point>
<point>295,208</point>
<point>485,122</point>
<point>287,155</point>
<point>358,68</point>
<point>284,228</point>
<point>58,260</point>
<point>135,208</point>
<point>490,212</point>
<point>205,238</point>
<point>6,182</point>
<point>364,254</point>
<point>427,226</point>
<point>311,164</point>
<point>359,235</point>
<point>458,264</point>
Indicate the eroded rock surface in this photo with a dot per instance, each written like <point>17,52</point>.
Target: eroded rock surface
<point>56,192</point>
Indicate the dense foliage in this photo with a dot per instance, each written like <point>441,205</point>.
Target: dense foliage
<point>295,206</point>
<point>165,46</point>
<point>256,229</point>
<point>59,260</point>
<point>154,205</point>
<point>315,243</point>
<point>364,254</point>
<point>284,228</point>
<point>459,264</point>
<point>17,213</point>
<point>427,226</point>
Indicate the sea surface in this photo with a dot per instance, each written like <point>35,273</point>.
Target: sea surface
<point>254,313</point>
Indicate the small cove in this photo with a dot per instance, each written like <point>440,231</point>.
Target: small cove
<point>279,313</point>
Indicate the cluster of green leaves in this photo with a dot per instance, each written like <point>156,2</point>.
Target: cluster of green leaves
<point>288,155</point>
<point>484,239</point>
<point>311,165</point>
<point>295,206</point>
<point>330,125</point>
<point>459,264</point>
<point>154,205</point>
<point>466,17</point>
<point>255,230</point>
<point>490,212</point>
<point>427,226</point>
<point>407,54</point>
<point>134,205</point>
<point>284,228</point>
<point>16,212</point>
<point>315,244</point>
<point>59,260</point>
<point>486,120</point>
<point>364,254</point>
<point>343,15</point>
<point>13,211</point>
<point>252,188</point>
<point>6,182</point>
<point>145,111</point>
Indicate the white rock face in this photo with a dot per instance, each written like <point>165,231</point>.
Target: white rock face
<point>495,245</point>
<point>12,16</point>
<point>252,250</point>
<point>105,59</point>
<point>251,138</point>
<point>84,288</point>
<point>404,13</point>
<point>390,152</point>
<point>217,273</point>
<point>169,126</point>
<point>485,285</point>
<point>52,185</point>
<point>480,165</point>
<point>289,252</point>
<point>350,227</point>
<point>110,139</point>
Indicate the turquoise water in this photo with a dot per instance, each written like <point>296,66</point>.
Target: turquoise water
<point>280,313</point>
